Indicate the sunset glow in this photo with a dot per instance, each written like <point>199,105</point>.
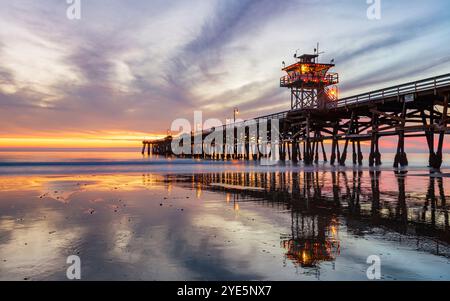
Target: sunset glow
<point>73,140</point>
<point>66,83</point>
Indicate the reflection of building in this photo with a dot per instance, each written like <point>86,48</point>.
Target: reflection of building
<point>312,241</point>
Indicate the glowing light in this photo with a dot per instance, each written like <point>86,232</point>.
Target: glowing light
<point>305,68</point>
<point>334,231</point>
<point>199,191</point>
<point>305,257</point>
<point>333,93</point>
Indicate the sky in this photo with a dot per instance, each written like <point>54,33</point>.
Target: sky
<point>127,69</point>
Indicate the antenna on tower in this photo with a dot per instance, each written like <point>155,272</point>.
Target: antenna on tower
<point>317,52</point>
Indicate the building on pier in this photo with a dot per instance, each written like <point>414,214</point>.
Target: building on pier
<point>312,84</point>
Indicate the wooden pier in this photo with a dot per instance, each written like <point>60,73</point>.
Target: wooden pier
<point>318,115</point>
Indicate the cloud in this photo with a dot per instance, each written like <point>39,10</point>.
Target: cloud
<point>136,66</point>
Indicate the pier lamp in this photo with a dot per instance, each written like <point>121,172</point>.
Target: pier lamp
<point>235,112</point>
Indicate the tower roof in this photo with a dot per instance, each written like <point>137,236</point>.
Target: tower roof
<point>308,57</point>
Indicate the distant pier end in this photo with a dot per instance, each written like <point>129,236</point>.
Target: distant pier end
<point>160,146</point>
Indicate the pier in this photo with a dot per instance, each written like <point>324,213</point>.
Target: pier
<point>318,116</point>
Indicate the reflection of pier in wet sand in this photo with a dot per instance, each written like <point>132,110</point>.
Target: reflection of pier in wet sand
<point>319,202</point>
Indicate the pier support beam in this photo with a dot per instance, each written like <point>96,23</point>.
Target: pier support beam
<point>299,151</point>
<point>436,158</point>
<point>343,157</point>
<point>334,144</point>
<point>289,150</point>
<point>354,157</point>
<point>255,152</point>
<point>295,151</point>
<point>356,144</point>
<point>247,144</point>
<point>316,147</point>
<point>375,155</point>
<point>360,154</point>
<point>401,157</point>
<point>255,149</point>
<point>324,154</point>
<point>282,150</point>
<point>429,134</point>
<point>307,157</point>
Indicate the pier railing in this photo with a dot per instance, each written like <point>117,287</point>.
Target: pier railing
<point>395,91</point>
<point>279,116</point>
<point>297,78</point>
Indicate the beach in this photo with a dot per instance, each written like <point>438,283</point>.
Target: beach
<point>130,218</point>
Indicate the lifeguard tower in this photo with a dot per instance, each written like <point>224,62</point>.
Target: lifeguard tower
<point>312,85</point>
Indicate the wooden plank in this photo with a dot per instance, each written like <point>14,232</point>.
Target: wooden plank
<point>390,116</point>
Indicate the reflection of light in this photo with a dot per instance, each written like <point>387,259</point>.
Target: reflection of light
<point>199,190</point>
<point>236,207</point>
<point>71,183</point>
<point>333,230</point>
<point>228,197</point>
<point>304,257</point>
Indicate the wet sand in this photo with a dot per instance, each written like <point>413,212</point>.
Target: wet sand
<point>212,226</point>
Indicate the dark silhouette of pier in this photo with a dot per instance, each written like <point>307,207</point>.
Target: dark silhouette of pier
<point>317,114</point>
